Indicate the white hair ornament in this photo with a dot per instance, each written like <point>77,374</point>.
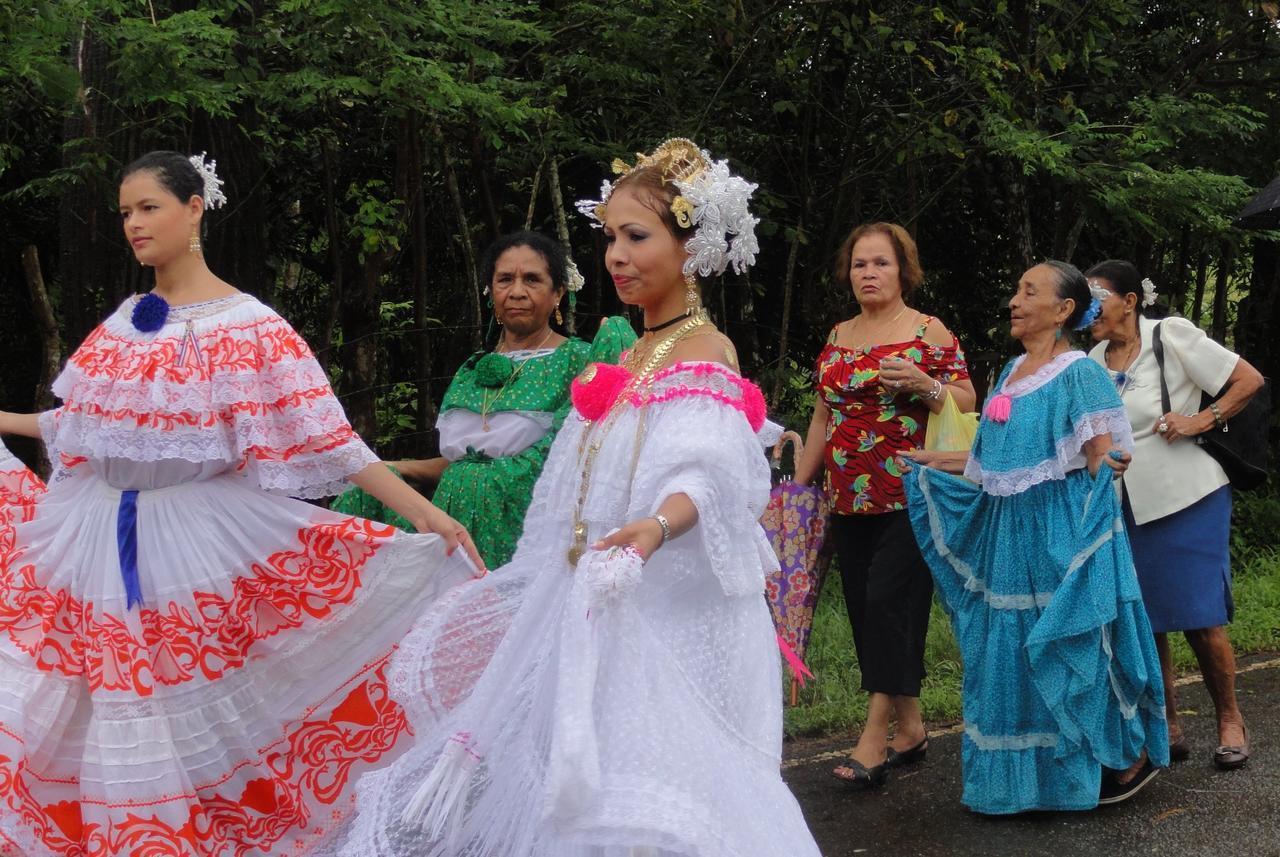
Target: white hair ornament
<point>712,201</point>
<point>1149,294</point>
<point>213,195</point>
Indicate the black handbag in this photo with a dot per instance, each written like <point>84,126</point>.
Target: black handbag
<point>1240,444</point>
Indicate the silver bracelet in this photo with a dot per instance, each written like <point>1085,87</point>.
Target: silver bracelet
<point>666,528</point>
<point>936,392</point>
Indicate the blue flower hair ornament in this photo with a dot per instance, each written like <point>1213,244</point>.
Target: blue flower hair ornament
<point>150,313</point>
<point>1090,315</point>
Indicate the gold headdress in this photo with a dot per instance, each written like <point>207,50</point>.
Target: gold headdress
<point>710,200</point>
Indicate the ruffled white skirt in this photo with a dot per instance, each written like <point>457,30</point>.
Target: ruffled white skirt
<point>648,726</point>
<point>232,711</point>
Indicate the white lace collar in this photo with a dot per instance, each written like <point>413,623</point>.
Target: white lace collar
<point>1041,376</point>
<point>196,311</point>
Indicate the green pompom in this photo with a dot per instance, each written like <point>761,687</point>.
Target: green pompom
<point>494,370</point>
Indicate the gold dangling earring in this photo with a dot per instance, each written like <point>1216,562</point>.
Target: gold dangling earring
<point>691,301</point>
<point>194,244</point>
<point>559,317</point>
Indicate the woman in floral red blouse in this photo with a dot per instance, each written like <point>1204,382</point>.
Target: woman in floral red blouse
<point>880,375</point>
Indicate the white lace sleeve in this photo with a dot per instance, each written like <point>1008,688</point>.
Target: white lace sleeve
<point>299,443</point>
<point>701,444</point>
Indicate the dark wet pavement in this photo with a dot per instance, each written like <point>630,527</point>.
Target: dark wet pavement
<point>1189,809</point>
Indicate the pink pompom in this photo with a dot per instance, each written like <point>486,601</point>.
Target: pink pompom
<point>998,408</point>
<point>597,388</point>
<point>753,405</point>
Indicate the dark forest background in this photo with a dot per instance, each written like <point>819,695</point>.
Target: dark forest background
<point>371,148</point>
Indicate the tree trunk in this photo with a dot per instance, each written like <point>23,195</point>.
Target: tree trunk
<point>533,193</point>
<point>1202,275</point>
<point>1221,290</point>
<point>788,288</point>
<point>324,350</point>
<point>88,257</point>
<point>464,232</point>
<point>1178,285</point>
<point>50,341</point>
<point>419,274</point>
<point>562,229</point>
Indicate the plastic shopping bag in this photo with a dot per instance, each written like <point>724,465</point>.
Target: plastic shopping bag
<point>950,429</point>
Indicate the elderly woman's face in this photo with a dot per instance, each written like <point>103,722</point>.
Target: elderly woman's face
<point>523,295</point>
<point>874,272</point>
<point>1117,312</point>
<point>1036,307</point>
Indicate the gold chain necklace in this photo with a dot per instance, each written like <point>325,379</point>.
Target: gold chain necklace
<point>487,403</point>
<point>593,437</point>
<point>888,325</point>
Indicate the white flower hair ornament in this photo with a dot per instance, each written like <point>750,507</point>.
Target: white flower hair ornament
<point>1149,294</point>
<point>711,200</point>
<point>574,281</point>
<point>208,170</point>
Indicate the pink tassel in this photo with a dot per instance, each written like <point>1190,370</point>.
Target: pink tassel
<point>998,408</point>
<point>798,669</point>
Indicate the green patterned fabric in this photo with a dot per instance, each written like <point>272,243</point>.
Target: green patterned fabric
<point>489,496</point>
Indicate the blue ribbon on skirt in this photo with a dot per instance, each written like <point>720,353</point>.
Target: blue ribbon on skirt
<point>127,545</point>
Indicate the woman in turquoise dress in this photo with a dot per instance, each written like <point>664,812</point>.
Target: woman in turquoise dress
<point>503,408</point>
<point>1029,553</point>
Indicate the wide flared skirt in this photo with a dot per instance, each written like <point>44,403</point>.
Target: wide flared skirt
<point>589,732</point>
<point>1061,673</point>
<point>232,710</point>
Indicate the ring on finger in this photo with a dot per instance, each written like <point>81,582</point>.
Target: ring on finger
<point>1163,428</point>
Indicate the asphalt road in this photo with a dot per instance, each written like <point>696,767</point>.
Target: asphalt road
<point>1190,809</point>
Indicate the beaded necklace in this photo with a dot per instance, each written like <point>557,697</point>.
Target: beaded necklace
<point>642,367</point>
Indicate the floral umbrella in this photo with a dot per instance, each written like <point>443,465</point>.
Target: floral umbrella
<point>796,524</point>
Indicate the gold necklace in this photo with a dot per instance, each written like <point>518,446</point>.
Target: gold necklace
<point>1130,353</point>
<point>593,437</point>
<point>887,326</point>
<point>487,403</point>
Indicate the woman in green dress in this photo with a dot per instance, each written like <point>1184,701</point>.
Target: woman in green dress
<point>503,407</point>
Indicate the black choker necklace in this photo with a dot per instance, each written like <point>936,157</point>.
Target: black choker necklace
<point>681,317</point>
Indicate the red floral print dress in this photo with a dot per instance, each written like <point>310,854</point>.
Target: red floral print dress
<point>869,426</point>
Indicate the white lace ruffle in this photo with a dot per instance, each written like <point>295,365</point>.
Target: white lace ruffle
<point>1069,455</point>
<point>273,383</point>
<point>1041,376</point>
<point>251,395</point>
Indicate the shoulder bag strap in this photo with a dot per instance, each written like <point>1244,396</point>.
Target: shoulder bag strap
<point>1158,347</point>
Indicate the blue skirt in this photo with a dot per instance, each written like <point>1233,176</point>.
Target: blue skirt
<point>1184,564</point>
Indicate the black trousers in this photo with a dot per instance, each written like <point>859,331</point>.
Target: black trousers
<point>888,592</point>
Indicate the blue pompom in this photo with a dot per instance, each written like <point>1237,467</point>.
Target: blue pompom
<point>150,313</point>
<point>1090,315</point>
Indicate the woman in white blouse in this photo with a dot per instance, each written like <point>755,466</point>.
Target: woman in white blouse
<point>1177,499</point>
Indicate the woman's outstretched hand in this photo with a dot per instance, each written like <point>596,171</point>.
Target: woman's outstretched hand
<point>645,534</point>
<point>433,520</point>
<point>947,462</point>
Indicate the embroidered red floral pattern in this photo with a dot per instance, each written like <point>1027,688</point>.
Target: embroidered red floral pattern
<point>310,767</point>
<point>290,588</point>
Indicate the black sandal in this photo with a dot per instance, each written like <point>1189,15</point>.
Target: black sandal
<point>897,759</point>
<point>863,778</point>
<point>1180,750</point>
<point>1113,791</point>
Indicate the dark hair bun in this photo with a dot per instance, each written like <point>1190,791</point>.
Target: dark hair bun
<point>173,170</point>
